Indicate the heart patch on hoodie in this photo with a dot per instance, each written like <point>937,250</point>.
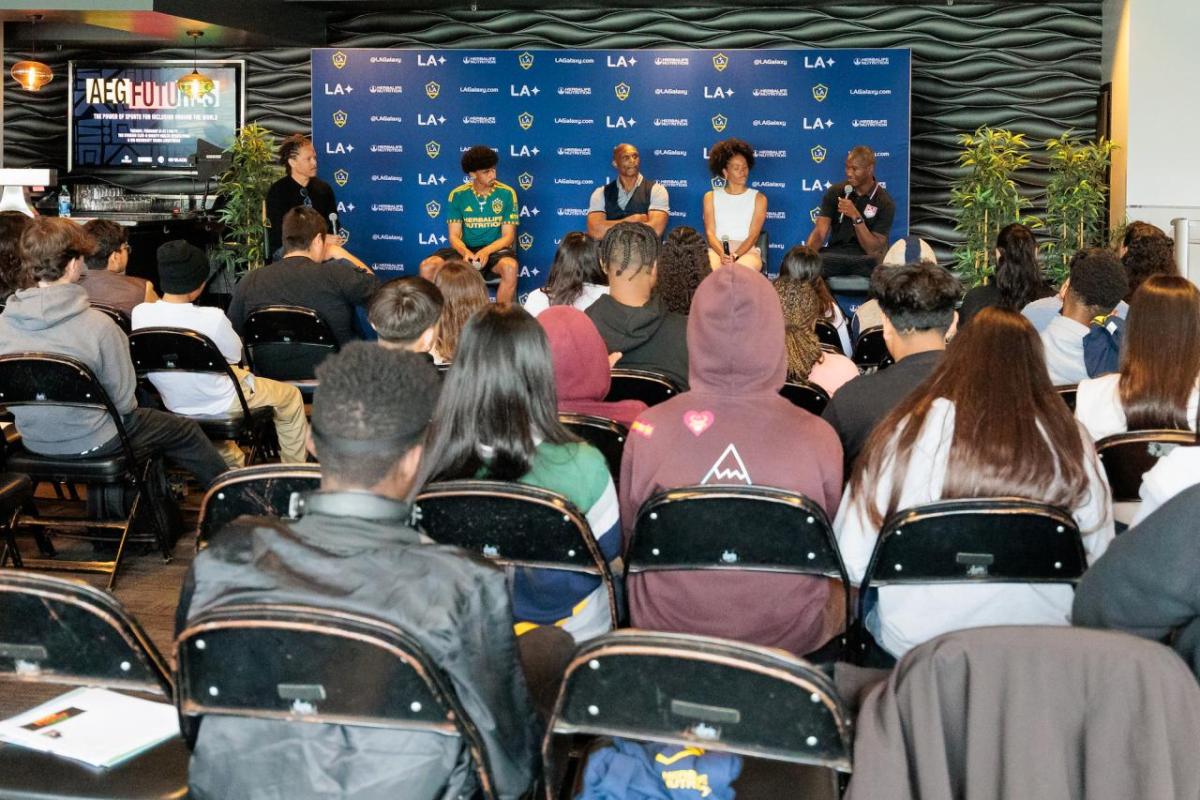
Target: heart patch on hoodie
<point>698,421</point>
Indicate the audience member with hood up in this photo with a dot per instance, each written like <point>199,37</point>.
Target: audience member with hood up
<point>631,318</point>
<point>732,427</point>
<point>582,373</point>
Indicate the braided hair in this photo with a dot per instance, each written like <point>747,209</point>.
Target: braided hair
<point>629,245</point>
<point>290,146</point>
<point>801,306</point>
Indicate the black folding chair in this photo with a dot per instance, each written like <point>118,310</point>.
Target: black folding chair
<point>646,385</point>
<point>828,336</point>
<point>516,525</point>
<point>286,343</point>
<point>694,691</point>
<point>987,540</point>
<point>1129,456</point>
<point>50,380</point>
<point>57,631</point>
<point>742,528</point>
<point>271,490</point>
<point>1067,393</point>
<point>870,350</point>
<point>115,314</point>
<point>15,491</point>
<point>290,663</point>
<point>157,350</point>
<point>606,435</point>
<point>809,396</point>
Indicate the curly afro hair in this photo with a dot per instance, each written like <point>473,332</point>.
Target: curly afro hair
<point>479,157</point>
<point>721,152</point>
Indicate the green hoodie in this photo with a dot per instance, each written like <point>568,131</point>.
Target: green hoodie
<point>59,319</point>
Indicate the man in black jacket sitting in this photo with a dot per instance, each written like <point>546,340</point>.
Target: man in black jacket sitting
<point>355,550</point>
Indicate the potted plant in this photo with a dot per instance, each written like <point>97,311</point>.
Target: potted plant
<point>244,186</point>
<point>986,198</point>
<point>1075,197</point>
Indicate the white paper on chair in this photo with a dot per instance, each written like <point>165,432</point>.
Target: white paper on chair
<point>95,726</point>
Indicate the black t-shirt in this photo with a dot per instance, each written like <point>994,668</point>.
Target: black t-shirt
<point>876,207</point>
<point>332,289</point>
<point>284,195</point>
<point>861,403</point>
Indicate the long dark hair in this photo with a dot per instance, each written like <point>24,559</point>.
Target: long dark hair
<point>1012,435</point>
<point>500,394</point>
<point>682,264</point>
<point>803,263</point>
<point>14,276</point>
<point>1018,276</point>
<point>1160,356</point>
<point>576,262</point>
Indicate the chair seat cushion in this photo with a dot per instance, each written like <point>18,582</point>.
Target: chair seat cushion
<point>160,772</point>
<point>14,489</point>
<point>233,425</point>
<point>103,469</point>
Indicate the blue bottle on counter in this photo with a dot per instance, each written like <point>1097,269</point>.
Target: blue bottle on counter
<point>64,202</point>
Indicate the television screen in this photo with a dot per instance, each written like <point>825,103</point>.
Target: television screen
<point>131,116</point>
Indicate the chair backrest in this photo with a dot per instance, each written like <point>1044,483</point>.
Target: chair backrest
<point>309,665</point>
<point>55,630</point>
<point>646,385</point>
<point>271,490</point>
<point>698,691</point>
<point>764,250</point>
<point>828,336</point>
<point>809,396</point>
<point>986,540</point>
<point>870,350</point>
<point>115,314</point>
<point>181,350</point>
<point>1128,456</point>
<point>1067,393</point>
<point>49,379</point>
<point>286,343</point>
<point>515,524</point>
<point>606,435</point>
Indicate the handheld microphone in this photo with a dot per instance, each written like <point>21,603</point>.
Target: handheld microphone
<point>845,193</point>
<point>333,223</point>
<point>725,244</point>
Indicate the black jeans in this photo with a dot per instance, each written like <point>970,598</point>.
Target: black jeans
<point>180,441</point>
<point>835,263</point>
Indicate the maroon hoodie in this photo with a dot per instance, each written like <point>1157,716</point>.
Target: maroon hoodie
<point>732,427</point>
<point>582,374</point>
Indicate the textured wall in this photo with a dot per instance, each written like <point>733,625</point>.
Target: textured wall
<point>1032,68</point>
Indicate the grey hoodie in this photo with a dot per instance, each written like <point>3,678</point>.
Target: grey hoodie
<point>59,319</point>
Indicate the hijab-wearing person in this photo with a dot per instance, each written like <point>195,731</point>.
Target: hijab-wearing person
<point>582,373</point>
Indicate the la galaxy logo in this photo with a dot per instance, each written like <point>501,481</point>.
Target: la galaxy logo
<point>816,212</point>
<point>818,153</point>
<point>433,208</point>
<point>820,92</point>
<point>525,181</point>
<point>339,59</point>
<point>719,122</point>
<point>344,233</point>
<point>718,183</point>
<point>525,60</point>
<point>497,206</point>
<point>340,118</point>
<point>341,177</point>
<point>432,149</point>
<point>720,61</point>
<point>525,240</point>
<point>525,120</point>
<point>622,90</point>
<point>432,89</point>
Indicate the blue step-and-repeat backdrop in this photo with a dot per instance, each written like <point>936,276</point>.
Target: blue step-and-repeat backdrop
<point>389,127</point>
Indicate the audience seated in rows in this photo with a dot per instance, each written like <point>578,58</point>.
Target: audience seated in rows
<point>355,549</point>
<point>404,313</point>
<point>682,264</point>
<point>463,293</point>
<point>497,418</point>
<point>916,304</point>
<point>183,272</point>
<point>315,272</point>
<point>803,265</point>
<point>105,280</point>
<point>1146,583</point>
<point>576,278</point>
<point>54,316</point>
<point>732,427</point>
<point>985,423</point>
<point>807,361</point>
<point>582,370</point>
<point>1018,280</point>
<point>1083,340</point>
<point>631,318</point>
<point>909,250</point>
<point>13,274</point>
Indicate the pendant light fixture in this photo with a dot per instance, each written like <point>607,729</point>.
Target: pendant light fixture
<point>32,75</point>
<point>195,84</point>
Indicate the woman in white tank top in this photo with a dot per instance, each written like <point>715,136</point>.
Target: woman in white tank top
<point>734,213</point>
